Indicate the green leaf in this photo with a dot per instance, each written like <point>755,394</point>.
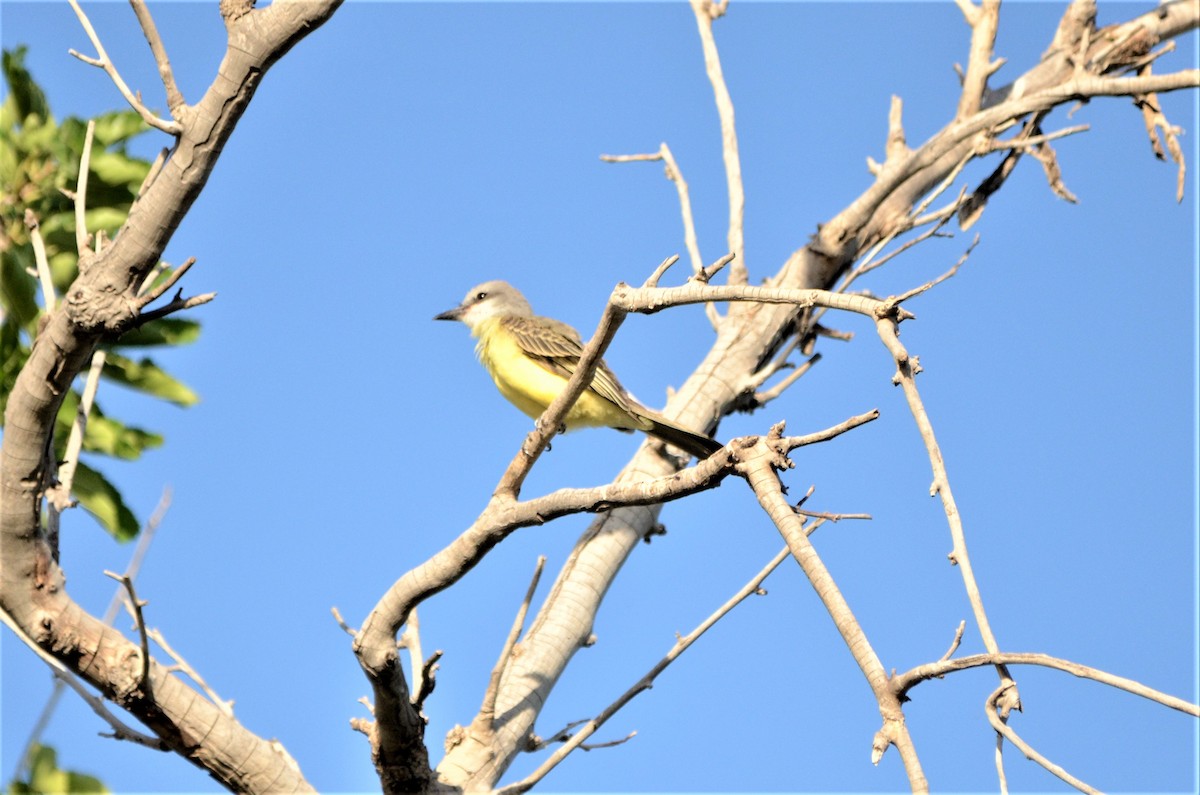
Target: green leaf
<point>115,438</point>
<point>117,169</point>
<point>118,126</point>
<point>64,267</point>
<point>146,376</point>
<point>102,500</point>
<point>107,218</point>
<point>26,95</point>
<point>17,288</point>
<point>45,776</point>
<point>164,331</point>
<point>63,422</point>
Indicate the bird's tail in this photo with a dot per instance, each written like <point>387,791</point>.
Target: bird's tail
<point>689,441</point>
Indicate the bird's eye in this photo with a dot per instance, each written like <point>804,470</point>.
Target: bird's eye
<point>480,296</point>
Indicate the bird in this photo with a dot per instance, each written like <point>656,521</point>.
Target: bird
<point>531,357</point>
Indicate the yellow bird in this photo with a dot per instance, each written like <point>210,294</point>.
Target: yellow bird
<point>530,358</point>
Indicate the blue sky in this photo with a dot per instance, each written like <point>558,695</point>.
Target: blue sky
<point>404,152</point>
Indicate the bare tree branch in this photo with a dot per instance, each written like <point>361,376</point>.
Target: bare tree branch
<point>674,174</point>
<point>984,19</point>
<point>643,684</point>
<point>487,712</point>
<point>104,62</point>
<point>906,369</point>
<point>63,674</point>
<point>174,97</point>
<point>706,11</point>
<point>49,300</point>
<point>995,706</point>
<point>182,666</point>
<point>903,683</point>
<point>99,303</point>
<point>748,342</point>
<point>758,467</point>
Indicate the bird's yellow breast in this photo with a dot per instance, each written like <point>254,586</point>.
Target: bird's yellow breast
<point>531,387</point>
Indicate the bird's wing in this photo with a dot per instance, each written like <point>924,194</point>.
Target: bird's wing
<point>557,347</point>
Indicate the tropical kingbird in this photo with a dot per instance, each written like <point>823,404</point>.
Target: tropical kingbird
<point>530,358</point>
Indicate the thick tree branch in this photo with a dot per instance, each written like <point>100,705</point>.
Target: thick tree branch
<point>746,345</point>
<point>759,469</point>
<point>101,301</point>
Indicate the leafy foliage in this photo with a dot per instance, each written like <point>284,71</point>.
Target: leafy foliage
<point>39,160</point>
<point>45,777</point>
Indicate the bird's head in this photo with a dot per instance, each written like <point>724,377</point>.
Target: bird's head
<point>487,300</point>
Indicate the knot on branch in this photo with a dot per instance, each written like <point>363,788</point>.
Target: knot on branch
<point>100,308</point>
<point>233,10</point>
<point>454,738</point>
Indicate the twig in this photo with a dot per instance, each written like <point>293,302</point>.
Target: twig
<point>930,285</point>
<point>675,174</point>
<point>705,11</point>
<point>59,497</point>
<point>337,616</point>
<point>1006,731</point>
<point>996,145</point>
<point>1159,130</point>
<point>103,62</point>
<point>971,209</point>
<point>136,606</point>
<point>150,293</point>
<point>832,333</point>
<point>905,376</point>
<point>410,639</point>
<point>121,731</point>
<point>139,552</point>
<point>178,304</point>
<point>759,466</point>
<point>487,712</point>
<point>765,397</point>
<point>1044,154</point>
<point>984,20</point>
<point>999,758</point>
<point>681,645</point>
<point>906,681</point>
<point>958,635</point>
<point>831,517</point>
<point>785,444</point>
<point>914,219</point>
<point>49,301</point>
<point>184,667</point>
<point>608,744</point>
<point>174,97</point>
<point>896,146</point>
<point>114,605</point>
<point>705,275</point>
<point>535,743</point>
<point>80,197</point>
<point>652,281</point>
<point>428,682</point>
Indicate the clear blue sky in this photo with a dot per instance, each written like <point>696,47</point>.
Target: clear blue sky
<point>403,153</point>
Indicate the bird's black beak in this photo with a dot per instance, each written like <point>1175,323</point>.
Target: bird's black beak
<point>450,314</point>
